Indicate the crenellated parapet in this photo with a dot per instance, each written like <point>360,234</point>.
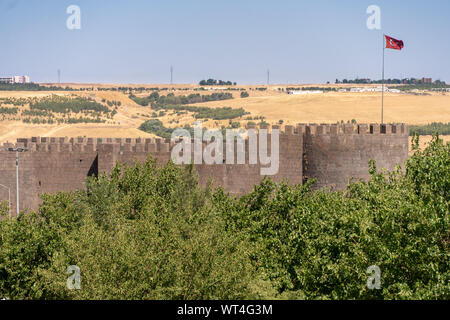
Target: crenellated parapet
<point>350,128</point>
<point>83,144</point>
<point>335,153</point>
<point>287,133</point>
<point>65,144</point>
<point>330,153</point>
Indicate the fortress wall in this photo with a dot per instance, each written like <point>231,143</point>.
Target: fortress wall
<point>140,149</point>
<point>8,178</point>
<point>128,150</point>
<point>331,153</point>
<point>334,154</point>
<point>50,165</point>
<point>61,164</point>
<point>235,178</point>
<point>239,179</point>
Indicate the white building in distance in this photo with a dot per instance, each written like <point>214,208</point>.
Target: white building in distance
<point>15,79</point>
<point>303,92</point>
<point>21,79</point>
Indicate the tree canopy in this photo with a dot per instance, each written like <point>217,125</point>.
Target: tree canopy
<point>149,232</point>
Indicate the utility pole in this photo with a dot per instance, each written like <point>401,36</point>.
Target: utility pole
<point>17,182</point>
<point>382,84</point>
<point>17,150</point>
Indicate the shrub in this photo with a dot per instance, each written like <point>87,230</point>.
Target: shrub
<point>244,94</point>
<point>6,110</point>
<point>156,127</point>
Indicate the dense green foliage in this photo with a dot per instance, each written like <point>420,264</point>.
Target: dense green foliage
<point>220,113</point>
<point>212,82</point>
<point>429,129</point>
<point>30,87</point>
<point>65,104</point>
<point>145,232</point>
<point>156,127</point>
<point>149,233</point>
<point>157,101</point>
<point>37,113</point>
<point>6,110</point>
<point>59,109</point>
<point>244,94</point>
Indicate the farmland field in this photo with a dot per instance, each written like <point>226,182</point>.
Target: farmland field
<point>269,103</point>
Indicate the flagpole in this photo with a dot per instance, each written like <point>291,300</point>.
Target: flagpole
<point>382,84</point>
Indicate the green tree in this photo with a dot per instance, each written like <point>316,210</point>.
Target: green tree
<point>150,232</point>
<point>244,94</point>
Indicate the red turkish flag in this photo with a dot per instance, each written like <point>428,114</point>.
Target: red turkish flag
<point>392,43</point>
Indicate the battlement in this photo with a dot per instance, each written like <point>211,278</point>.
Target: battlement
<point>65,144</point>
<point>160,145</point>
<point>83,144</point>
<point>287,129</point>
<point>337,152</point>
<point>350,129</point>
<point>331,153</point>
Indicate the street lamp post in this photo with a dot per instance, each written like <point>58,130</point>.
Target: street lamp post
<point>17,150</point>
<point>9,198</point>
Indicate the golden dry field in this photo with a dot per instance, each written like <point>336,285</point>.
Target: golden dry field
<point>331,107</point>
<point>273,104</point>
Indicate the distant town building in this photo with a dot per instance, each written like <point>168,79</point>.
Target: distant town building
<point>368,89</point>
<point>406,81</point>
<point>6,80</point>
<point>15,79</point>
<point>302,92</point>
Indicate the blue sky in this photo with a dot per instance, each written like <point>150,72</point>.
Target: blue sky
<point>136,41</point>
